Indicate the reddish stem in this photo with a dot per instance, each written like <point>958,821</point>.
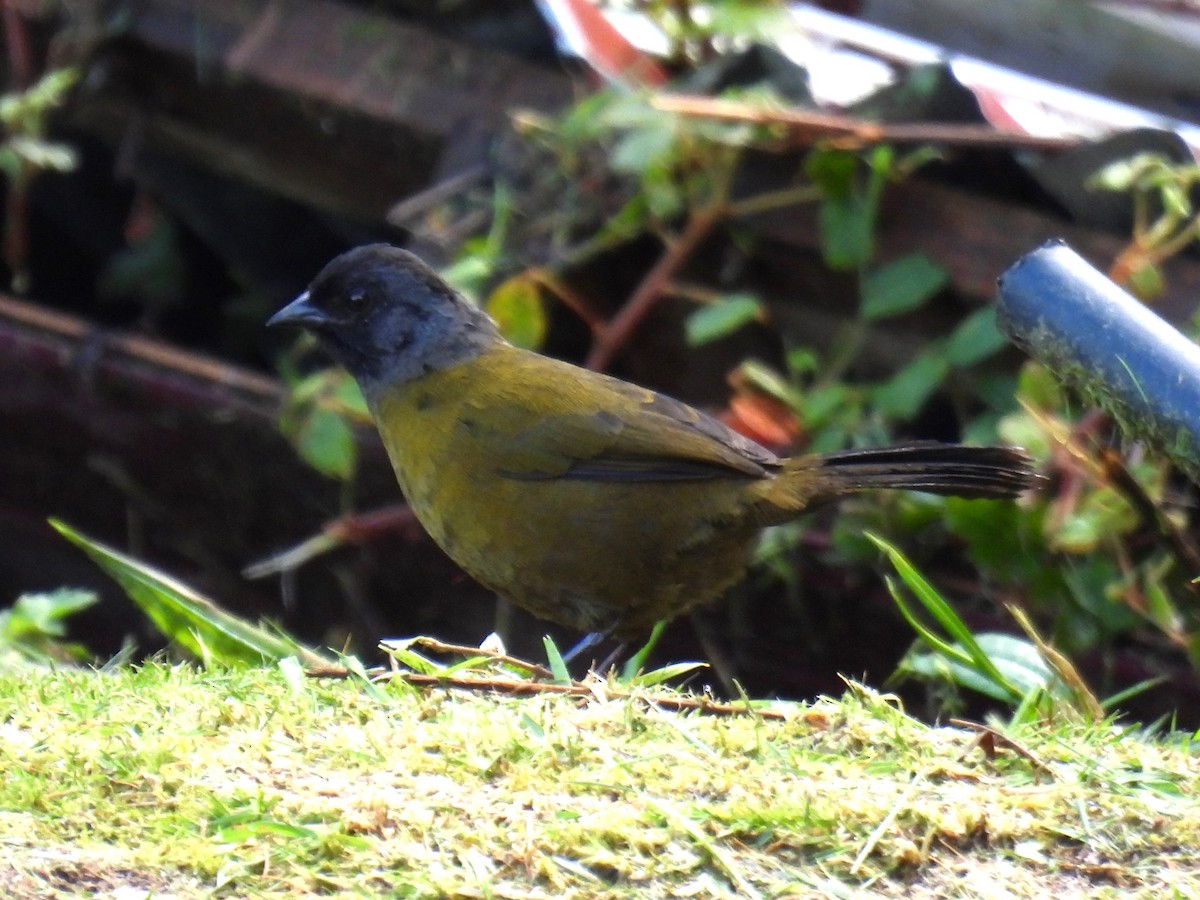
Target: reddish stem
<point>20,64</point>
<point>651,289</point>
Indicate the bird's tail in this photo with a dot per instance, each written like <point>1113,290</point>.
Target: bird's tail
<point>952,469</point>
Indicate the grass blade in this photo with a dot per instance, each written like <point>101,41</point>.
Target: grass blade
<point>189,619</point>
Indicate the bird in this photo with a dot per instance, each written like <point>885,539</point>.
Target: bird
<point>584,499</point>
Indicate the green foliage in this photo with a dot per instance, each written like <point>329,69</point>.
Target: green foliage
<point>517,307</point>
<point>722,317</point>
<point>25,153</point>
<point>1164,219</point>
<point>904,394</point>
<point>850,206</point>
<point>23,119</point>
<point>901,286</point>
<point>1026,674</point>
<point>190,620</point>
<point>975,339</point>
<point>318,421</point>
<point>33,628</point>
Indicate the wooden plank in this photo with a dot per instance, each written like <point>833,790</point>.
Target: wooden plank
<point>334,106</point>
<point>975,238</point>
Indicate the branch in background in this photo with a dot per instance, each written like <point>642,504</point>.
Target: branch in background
<point>652,288</point>
<point>806,126</point>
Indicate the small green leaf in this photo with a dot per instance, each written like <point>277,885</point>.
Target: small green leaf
<point>903,395</point>
<point>768,380</point>
<point>558,666</point>
<point>1175,200</point>
<point>666,673</point>
<point>326,442</point>
<point>317,418</point>
<point>43,614</point>
<point>975,339</point>
<point>634,665</point>
<point>901,286</point>
<point>1146,282</point>
<point>1037,386</point>
<point>832,171</point>
<point>664,199</point>
<point>517,307</point>
<point>847,230</point>
<point>846,219</point>
<point>721,318</point>
<point>1116,176</point>
<point>642,150</point>
<point>1017,660</point>
<point>802,361</point>
<point>400,649</point>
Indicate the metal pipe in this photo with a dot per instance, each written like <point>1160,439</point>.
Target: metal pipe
<point>1097,338</point>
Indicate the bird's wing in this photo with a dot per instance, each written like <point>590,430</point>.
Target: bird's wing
<point>634,435</point>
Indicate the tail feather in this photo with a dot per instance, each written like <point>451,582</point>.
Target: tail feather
<point>952,469</point>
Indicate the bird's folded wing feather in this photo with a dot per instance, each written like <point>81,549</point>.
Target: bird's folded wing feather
<point>637,435</point>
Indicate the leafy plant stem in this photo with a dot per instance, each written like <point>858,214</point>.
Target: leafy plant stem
<point>771,200</point>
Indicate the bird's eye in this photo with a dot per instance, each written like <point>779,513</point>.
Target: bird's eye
<point>356,299</point>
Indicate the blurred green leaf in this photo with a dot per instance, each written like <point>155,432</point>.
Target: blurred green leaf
<point>768,380</point>
<point>721,318</point>
<point>666,673</point>
<point>822,404</point>
<point>1002,539</point>
<point>25,111</point>
<point>850,206</point>
<point>664,197</point>
<point>517,307</point>
<point>40,154</point>
<point>1147,282</point>
<point>847,230</point>
<point>629,221</point>
<point>1017,660</point>
<point>152,270</point>
<point>1116,176</point>
<point>833,171</point>
<point>43,614</point>
<point>317,422</point>
<point>634,665</point>
<point>1099,515</point>
<point>326,442</point>
<point>975,339</point>
<point>903,395</point>
<point>901,286</point>
<point>558,666</point>
<point>846,220</point>
<point>747,19</point>
<point>31,630</point>
<point>1019,429</point>
<point>1175,199</point>
<point>638,152</point>
<point>802,361</point>
<point>1037,386</point>
<point>190,620</point>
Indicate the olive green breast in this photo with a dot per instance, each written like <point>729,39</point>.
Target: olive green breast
<point>565,492</point>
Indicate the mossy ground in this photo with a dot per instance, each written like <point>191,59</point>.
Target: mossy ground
<point>168,781</point>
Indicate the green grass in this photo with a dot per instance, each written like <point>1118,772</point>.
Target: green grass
<point>249,783</point>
